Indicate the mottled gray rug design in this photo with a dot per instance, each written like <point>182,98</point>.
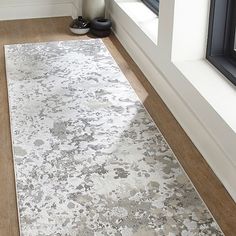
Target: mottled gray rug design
<point>88,158</point>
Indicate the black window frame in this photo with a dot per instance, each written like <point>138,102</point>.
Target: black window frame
<point>221,37</point>
<point>152,5</point>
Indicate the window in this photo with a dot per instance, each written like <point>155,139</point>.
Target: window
<point>153,5</point>
<point>221,49</point>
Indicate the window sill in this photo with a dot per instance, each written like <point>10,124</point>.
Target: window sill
<point>220,94</point>
<point>143,17</point>
<point>213,86</point>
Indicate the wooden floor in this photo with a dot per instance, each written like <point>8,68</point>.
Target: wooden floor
<point>216,197</point>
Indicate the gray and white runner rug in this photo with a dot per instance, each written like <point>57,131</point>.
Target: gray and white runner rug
<point>88,158</point>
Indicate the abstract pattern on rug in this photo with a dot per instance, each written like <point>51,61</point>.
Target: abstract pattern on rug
<point>88,158</point>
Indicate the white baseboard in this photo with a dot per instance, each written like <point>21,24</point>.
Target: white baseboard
<point>201,138</point>
<point>27,11</point>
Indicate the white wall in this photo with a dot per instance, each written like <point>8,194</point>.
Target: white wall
<point>200,98</point>
<point>23,9</point>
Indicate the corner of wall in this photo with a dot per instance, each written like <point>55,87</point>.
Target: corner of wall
<point>76,8</point>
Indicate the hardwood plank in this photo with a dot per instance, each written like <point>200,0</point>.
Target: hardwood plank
<point>40,30</point>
